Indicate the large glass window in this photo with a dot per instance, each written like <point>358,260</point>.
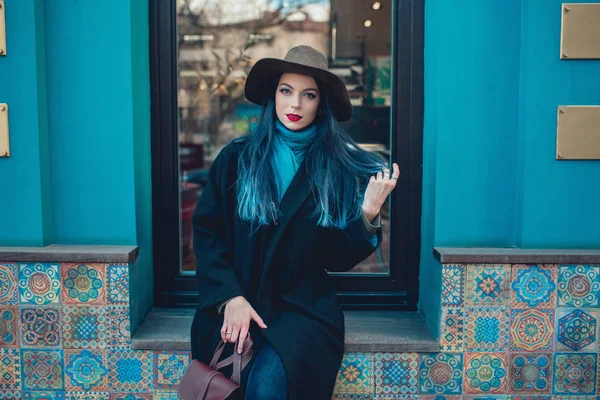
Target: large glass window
<point>201,53</point>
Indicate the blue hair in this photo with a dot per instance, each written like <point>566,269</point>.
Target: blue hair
<point>337,168</point>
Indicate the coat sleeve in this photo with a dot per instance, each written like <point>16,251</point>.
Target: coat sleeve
<point>352,245</point>
<point>215,276</point>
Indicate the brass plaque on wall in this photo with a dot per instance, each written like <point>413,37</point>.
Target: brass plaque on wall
<point>2,29</point>
<point>578,133</point>
<point>580,32</point>
<point>4,139</point>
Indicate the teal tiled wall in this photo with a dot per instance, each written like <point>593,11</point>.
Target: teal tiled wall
<point>507,331</point>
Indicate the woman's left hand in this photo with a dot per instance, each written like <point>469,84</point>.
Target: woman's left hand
<point>379,188</point>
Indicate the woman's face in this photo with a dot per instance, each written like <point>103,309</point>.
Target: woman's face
<point>297,100</point>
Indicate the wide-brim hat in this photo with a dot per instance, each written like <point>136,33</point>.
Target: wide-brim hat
<point>261,81</point>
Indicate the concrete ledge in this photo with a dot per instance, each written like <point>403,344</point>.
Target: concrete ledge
<point>484,255</point>
<point>70,253</point>
<point>366,331</point>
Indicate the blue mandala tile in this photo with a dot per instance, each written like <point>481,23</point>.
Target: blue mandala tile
<point>488,285</point>
<point>42,369</point>
<point>84,395</point>
<point>486,329</point>
<point>8,283</point>
<point>129,370</point>
<point>396,373</point>
<point>83,283</point>
<point>355,375</point>
<point>9,326</point>
<point>531,329</point>
<point>86,370</point>
<point>485,397</point>
<point>84,327</point>
<point>453,285</point>
<point>40,326</point>
<point>485,373</point>
<point>530,373</point>
<point>395,397</point>
<point>575,373</point>
<point>168,368</point>
<point>579,286</point>
<point>529,397</point>
<point>440,397</point>
<point>43,395</point>
<point>118,284</point>
<point>533,286</point>
<point>577,329</point>
<point>10,369</point>
<point>440,373</point>
<point>39,283</point>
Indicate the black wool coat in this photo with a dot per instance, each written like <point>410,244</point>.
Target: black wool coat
<point>281,271</point>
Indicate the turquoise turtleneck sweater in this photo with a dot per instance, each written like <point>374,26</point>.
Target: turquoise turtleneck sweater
<point>290,149</point>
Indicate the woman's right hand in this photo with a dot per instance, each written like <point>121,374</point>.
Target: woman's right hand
<point>238,314</point>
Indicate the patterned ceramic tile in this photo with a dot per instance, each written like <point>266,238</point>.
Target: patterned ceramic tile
<point>130,396</point>
<point>9,326</point>
<point>529,397</point>
<point>440,373</point>
<point>533,286</point>
<point>11,394</point>
<point>395,397</point>
<point>86,370</point>
<point>453,330</point>
<point>579,286</point>
<point>39,284</point>
<point>40,327</point>
<point>356,374</point>
<point>453,285</point>
<point>165,395</point>
<point>440,397</point>
<point>118,284</point>
<point>168,368</point>
<point>576,397</point>
<point>83,283</point>
<point>396,373</point>
<point>485,373</point>
<point>486,329</point>
<point>487,285</point>
<point>530,373</point>
<point>531,329</point>
<point>117,319</point>
<point>42,369</point>
<point>576,329</point>
<point>10,369</point>
<point>86,396</point>
<point>43,395</point>
<point>129,371</point>
<point>575,373</point>
<point>352,397</point>
<point>485,397</point>
<point>84,327</point>
<point>8,283</point>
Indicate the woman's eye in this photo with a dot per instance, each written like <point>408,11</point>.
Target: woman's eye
<point>285,91</point>
<point>311,96</point>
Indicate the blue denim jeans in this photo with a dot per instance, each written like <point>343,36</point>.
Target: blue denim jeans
<point>267,379</point>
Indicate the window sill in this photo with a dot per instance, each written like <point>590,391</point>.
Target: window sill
<point>510,255</point>
<point>70,253</point>
<point>366,331</point>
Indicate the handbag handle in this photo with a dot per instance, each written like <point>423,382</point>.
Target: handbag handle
<point>239,360</point>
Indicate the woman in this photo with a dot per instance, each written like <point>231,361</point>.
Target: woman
<point>293,199</point>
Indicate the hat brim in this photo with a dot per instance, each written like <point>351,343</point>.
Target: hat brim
<point>260,84</point>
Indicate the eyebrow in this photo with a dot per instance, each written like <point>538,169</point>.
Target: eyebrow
<point>290,86</point>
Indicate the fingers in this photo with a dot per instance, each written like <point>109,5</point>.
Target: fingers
<point>224,335</point>
<point>235,333</point>
<point>258,320</point>
<point>243,334</point>
<point>396,173</point>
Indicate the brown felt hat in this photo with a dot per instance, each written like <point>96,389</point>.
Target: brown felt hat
<point>260,83</point>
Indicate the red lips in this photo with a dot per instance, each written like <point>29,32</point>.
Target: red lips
<point>293,117</point>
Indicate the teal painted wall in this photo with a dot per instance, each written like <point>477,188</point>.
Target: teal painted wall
<point>493,82</point>
<point>25,202</point>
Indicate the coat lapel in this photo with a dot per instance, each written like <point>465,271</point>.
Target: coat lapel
<point>295,195</point>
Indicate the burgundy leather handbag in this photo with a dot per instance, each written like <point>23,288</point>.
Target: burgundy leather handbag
<point>205,382</point>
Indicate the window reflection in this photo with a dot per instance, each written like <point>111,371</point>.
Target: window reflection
<point>219,41</point>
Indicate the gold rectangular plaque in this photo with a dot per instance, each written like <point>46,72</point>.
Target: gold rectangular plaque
<point>2,29</point>
<point>4,140</point>
<point>580,31</point>
<point>578,133</point>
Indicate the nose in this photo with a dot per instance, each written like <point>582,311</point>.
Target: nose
<point>295,104</point>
